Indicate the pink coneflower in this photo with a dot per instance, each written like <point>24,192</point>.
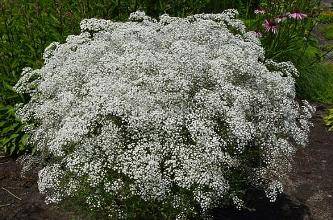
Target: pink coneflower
<point>297,15</point>
<point>270,26</point>
<point>259,11</point>
<point>280,19</point>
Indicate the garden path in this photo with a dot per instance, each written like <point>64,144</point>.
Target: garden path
<point>312,178</point>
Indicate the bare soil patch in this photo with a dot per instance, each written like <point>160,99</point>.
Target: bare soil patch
<point>312,177</point>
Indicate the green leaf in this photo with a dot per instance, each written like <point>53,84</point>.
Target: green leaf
<point>7,86</point>
<point>34,150</point>
<point>4,141</point>
<point>13,136</point>
<point>12,149</point>
<point>7,129</point>
<point>24,139</point>
<point>56,20</point>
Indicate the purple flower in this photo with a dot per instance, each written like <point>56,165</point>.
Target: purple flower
<point>259,11</point>
<point>297,15</point>
<point>270,26</point>
<point>258,34</point>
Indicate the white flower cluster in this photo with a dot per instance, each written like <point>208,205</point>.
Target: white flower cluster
<point>157,108</point>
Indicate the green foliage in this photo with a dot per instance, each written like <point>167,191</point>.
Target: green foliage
<point>293,37</point>
<point>326,17</point>
<point>316,82</point>
<point>327,31</point>
<point>329,119</point>
<point>294,42</point>
<point>134,206</point>
<point>26,29</point>
<point>12,139</point>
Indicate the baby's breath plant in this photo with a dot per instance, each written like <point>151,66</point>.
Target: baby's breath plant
<point>166,118</point>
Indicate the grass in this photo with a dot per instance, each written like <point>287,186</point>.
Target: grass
<point>316,82</point>
<point>327,30</point>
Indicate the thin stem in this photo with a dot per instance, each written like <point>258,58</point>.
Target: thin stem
<point>11,193</point>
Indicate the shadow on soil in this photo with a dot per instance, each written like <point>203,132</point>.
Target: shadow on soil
<point>283,209</point>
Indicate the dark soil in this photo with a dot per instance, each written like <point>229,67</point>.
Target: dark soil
<point>312,178</point>
<point>309,195</point>
<point>19,196</point>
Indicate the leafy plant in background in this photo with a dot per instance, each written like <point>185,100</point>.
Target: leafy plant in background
<point>316,82</point>
<point>327,31</point>
<point>329,119</point>
<point>25,30</point>
<point>285,27</point>
<point>12,139</point>
<point>326,17</point>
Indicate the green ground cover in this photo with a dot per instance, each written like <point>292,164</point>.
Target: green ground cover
<point>327,31</point>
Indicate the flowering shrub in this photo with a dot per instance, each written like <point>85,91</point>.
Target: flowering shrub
<point>181,113</point>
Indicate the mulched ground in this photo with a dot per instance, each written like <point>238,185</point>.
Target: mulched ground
<point>310,197</point>
<point>313,175</point>
<point>19,196</point>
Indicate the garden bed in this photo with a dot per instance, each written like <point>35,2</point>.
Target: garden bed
<point>310,194</point>
<point>19,195</point>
